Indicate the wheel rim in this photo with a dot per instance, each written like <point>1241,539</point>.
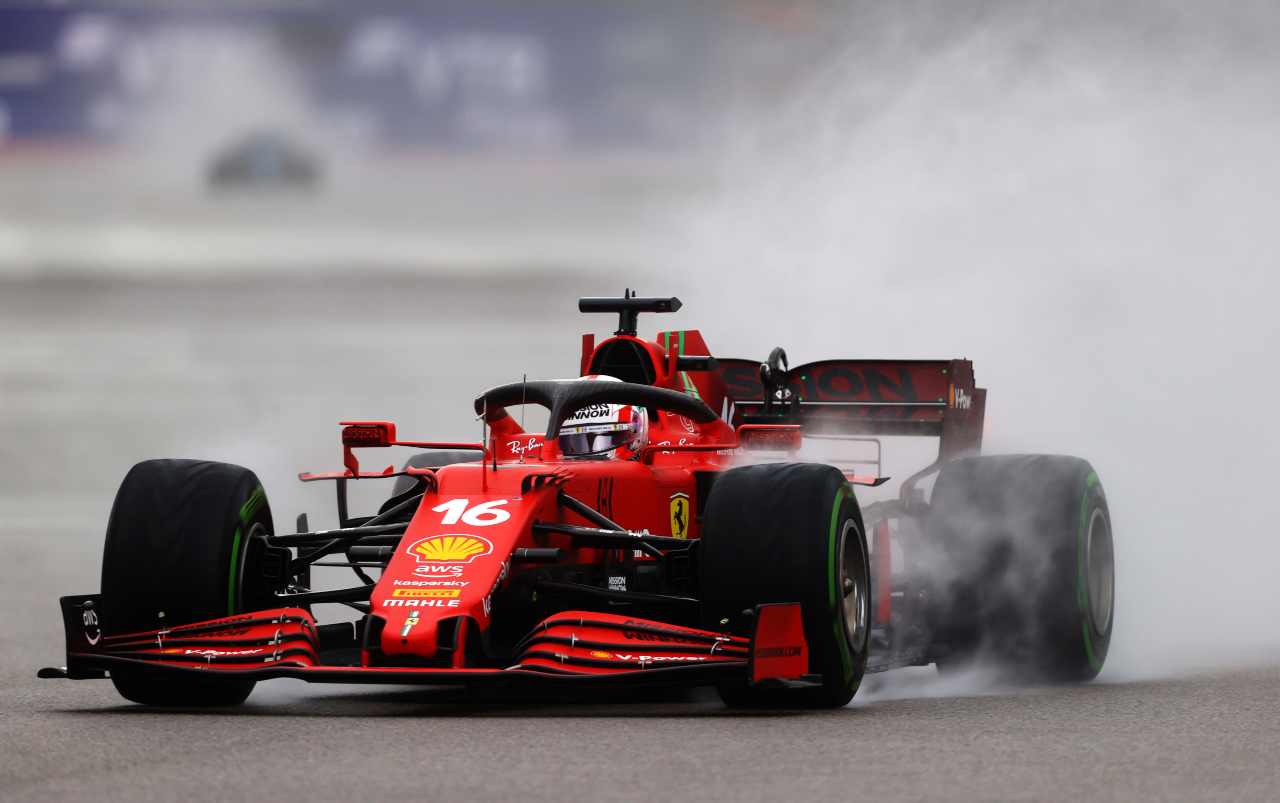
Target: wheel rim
<point>1100,571</point>
<point>855,597</point>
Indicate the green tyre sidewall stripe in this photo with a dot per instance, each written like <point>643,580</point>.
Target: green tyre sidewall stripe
<point>233,573</point>
<point>247,511</point>
<point>833,573</point>
<point>1082,573</point>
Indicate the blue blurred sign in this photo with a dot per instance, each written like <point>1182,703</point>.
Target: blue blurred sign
<point>578,75</point>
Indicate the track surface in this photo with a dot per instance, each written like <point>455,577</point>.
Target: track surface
<point>97,376</point>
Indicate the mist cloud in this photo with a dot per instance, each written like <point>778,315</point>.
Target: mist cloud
<point>1083,203</point>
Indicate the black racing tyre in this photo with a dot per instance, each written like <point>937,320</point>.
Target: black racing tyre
<point>435,458</point>
<point>175,553</point>
<point>789,532</point>
<point>1025,569</point>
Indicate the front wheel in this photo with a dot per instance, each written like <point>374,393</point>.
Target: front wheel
<point>790,532</point>
<point>179,548</point>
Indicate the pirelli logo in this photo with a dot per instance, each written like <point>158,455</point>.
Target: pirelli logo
<point>427,593</point>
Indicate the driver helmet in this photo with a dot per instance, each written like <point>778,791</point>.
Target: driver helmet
<point>603,431</point>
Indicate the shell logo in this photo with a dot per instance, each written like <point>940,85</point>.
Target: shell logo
<point>600,654</point>
<point>450,548</point>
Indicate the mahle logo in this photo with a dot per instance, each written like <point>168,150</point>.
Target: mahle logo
<point>450,548</point>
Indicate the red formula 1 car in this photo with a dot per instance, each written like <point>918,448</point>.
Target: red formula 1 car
<point>661,531</point>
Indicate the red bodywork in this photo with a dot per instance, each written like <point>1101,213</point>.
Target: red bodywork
<point>433,607</point>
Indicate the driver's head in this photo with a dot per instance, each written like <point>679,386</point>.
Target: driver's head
<point>605,430</point>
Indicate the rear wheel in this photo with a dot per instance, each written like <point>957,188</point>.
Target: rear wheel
<point>790,533</point>
<point>1026,565</point>
<point>180,537</point>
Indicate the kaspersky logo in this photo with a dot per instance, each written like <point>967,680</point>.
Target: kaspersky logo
<point>454,549</point>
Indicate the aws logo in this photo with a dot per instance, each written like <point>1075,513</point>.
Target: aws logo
<point>450,548</point>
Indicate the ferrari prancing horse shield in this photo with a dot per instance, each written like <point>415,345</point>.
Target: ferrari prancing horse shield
<point>680,515</point>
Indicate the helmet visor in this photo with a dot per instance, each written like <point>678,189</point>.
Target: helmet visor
<point>594,439</point>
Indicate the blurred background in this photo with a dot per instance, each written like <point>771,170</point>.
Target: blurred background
<point>408,135</point>
<point>225,226</point>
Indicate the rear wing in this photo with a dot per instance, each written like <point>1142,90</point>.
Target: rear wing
<point>934,398</point>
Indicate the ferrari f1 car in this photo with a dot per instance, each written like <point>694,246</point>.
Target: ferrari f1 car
<point>662,530</point>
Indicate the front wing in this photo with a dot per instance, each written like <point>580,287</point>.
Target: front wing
<point>570,648</point>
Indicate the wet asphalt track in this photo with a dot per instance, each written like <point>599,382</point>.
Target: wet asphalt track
<point>95,376</point>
